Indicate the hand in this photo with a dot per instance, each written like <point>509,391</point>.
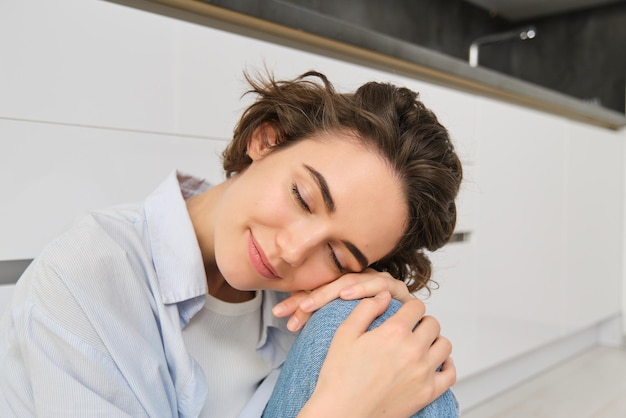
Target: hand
<point>387,372</point>
<point>367,283</point>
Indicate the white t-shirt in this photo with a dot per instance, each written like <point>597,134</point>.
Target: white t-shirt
<point>223,338</point>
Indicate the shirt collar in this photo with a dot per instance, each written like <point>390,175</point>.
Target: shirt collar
<point>276,339</point>
<point>175,252</point>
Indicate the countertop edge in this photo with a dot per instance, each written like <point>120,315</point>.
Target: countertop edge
<point>11,270</point>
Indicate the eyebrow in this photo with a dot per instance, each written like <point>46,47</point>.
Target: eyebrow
<point>323,185</point>
<point>330,205</point>
<point>357,254</point>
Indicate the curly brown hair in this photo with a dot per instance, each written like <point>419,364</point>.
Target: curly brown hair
<point>389,120</point>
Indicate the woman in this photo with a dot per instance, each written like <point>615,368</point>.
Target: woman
<point>163,309</point>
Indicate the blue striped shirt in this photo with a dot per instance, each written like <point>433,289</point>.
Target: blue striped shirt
<point>95,324</point>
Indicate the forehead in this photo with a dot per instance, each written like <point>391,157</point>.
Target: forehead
<point>371,209</point>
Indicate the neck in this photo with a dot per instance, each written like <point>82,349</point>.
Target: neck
<point>221,290</point>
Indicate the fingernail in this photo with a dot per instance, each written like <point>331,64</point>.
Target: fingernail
<point>383,295</point>
<point>347,292</point>
<point>293,324</point>
<point>277,310</point>
<point>307,304</point>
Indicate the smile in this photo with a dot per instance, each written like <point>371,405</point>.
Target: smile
<point>258,259</point>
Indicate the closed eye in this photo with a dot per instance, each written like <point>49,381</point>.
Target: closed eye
<point>335,260</point>
<point>299,199</point>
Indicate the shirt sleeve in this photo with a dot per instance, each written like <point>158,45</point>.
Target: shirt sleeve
<point>71,349</point>
<point>56,364</point>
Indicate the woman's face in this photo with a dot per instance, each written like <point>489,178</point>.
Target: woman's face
<point>302,216</point>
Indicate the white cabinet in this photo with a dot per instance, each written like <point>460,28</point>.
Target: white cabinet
<point>53,173</point>
<point>100,101</point>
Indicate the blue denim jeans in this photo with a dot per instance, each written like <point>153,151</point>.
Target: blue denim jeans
<point>299,374</point>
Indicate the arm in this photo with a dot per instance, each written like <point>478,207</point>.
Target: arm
<point>352,286</point>
<point>388,371</point>
<point>69,376</point>
<point>55,361</point>
<point>350,360</point>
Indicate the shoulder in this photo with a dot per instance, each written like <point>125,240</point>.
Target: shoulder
<point>97,266</point>
<point>100,249</point>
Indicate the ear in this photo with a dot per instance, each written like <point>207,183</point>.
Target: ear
<point>262,140</point>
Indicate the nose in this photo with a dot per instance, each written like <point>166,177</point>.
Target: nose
<point>297,242</point>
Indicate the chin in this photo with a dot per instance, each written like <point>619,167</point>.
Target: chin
<point>241,281</point>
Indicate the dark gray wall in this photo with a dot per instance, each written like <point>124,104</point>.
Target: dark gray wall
<point>581,53</point>
<point>443,25</point>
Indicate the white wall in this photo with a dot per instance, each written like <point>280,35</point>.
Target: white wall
<point>100,101</point>
<point>546,257</point>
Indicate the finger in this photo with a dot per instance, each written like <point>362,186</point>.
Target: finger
<point>408,316</point>
<point>446,377</point>
<point>449,367</point>
<point>363,315</point>
<point>298,319</point>
<point>378,283</point>
<point>289,305</point>
<point>439,351</point>
<point>326,293</point>
<point>427,331</point>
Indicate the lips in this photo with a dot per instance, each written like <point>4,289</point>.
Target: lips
<point>258,259</point>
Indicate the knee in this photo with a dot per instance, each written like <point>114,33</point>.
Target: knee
<point>316,336</point>
<point>335,312</point>
<point>327,319</point>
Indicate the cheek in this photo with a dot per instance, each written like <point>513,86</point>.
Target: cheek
<point>272,204</point>
<point>228,251</point>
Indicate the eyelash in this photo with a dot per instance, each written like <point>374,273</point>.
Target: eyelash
<point>333,256</point>
<point>298,196</point>
<point>305,206</point>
